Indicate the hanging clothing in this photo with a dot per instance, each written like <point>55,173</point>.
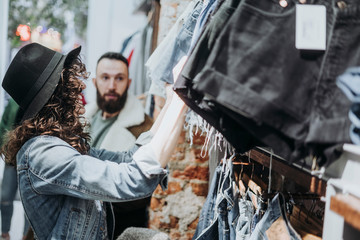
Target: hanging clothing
<point>218,217</point>
<point>140,83</point>
<point>206,11</point>
<point>238,136</point>
<point>348,82</point>
<point>202,49</point>
<point>207,225</point>
<point>228,215</point>
<point>174,46</point>
<point>246,217</point>
<point>128,44</point>
<point>274,224</point>
<point>159,59</point>
<point>255,71</point>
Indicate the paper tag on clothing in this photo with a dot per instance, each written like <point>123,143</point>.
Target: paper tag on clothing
<point>98,205</point>
<point>310,27</point>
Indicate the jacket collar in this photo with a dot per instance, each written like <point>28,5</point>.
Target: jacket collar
<point>131,115</point>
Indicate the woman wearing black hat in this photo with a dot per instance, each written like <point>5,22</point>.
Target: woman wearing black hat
<point>62,181</point>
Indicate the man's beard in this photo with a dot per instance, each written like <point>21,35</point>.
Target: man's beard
<point>111,106</point>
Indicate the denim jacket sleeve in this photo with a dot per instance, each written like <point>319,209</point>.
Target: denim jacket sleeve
<point>54,167</point>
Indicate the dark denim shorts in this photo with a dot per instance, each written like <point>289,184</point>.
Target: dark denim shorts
<point>255,70</point>
<point>202,49</point>
<point>233,133</point>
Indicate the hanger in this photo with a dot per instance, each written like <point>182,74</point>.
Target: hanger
<point>270,169</point>
<point>243,181</point>
<point>236,160</point>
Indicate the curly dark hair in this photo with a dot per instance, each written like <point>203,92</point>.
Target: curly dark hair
<point>59,117</point>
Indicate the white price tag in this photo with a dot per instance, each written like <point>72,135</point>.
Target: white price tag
<point>310,27</point>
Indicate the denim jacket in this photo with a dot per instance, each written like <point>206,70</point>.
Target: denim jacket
<point>62,191</point>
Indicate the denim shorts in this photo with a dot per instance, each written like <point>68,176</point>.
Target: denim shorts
<point>255,70</point>
<point>175,45</point>
<point>182,44</point>
<point>202,49</point>
<point>233,133</point>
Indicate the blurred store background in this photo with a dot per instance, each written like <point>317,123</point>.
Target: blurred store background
<point>97,26</point>
<point>133,28</point>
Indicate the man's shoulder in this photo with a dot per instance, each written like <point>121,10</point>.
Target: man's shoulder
<point>142,127</point>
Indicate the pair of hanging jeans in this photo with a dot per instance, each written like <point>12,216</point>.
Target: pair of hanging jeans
<point>228,208</point>
<point>219,215</point>
<point>207,225</point>
<point>246,212</point>
<point>274,224</point>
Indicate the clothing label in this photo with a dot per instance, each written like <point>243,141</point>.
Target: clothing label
<point>310,27</point>
<point>98,205</point>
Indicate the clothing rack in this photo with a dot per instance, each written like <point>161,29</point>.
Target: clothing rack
<point>267,174</point>
<point>300,176</point>
<point>288,196</point>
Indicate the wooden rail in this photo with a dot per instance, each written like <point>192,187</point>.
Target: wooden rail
<point>298,175</point>
<point>347,206</point>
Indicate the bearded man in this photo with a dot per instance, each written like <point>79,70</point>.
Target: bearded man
<point>116,120</point>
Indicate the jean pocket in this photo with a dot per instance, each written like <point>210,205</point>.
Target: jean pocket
<point>73,221</point>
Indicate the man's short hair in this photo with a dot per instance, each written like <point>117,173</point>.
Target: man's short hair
<point>114,55</point>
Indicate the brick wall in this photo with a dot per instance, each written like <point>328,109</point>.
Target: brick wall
<point>169,12</point>
<point>176,210</point>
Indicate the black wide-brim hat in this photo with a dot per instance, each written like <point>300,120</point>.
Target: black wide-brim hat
<point>33,75</point>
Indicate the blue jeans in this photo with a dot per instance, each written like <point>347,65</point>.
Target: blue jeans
<point>8,192</point>
<point>219,215</point>
<point>228,207</point>
<point>274,216</point>
<point>246,213</point>
<point>208,220</point>
<point>202,19</point>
